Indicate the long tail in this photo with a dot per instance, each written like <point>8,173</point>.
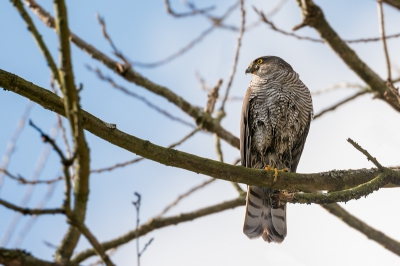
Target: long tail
<point>263,219</point>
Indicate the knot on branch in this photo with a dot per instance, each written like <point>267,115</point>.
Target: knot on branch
<point>311,14</point>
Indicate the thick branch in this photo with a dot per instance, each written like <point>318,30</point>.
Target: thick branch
<point>206,121</point>
<point>314,17</point>
<point>93,241</point>
<point>394,3</point>
<point>158,223</point>
<point>74,114</point>
<point>12,257</point>
<point>333,180</point>
<point>359,225</point>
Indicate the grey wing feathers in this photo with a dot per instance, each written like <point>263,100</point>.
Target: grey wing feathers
<point>245,134</point>
<point>261,219</point>
<point>299,146</point>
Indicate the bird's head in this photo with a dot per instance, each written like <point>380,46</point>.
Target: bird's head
<point>267,65</point>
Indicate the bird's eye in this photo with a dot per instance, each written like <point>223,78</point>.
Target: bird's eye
<point>259,61</point>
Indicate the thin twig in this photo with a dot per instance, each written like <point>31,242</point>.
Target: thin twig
<point>118,165</point>
<point>117,52</point>
<point>207,122</point>
<point>275,28</point>
<point>332,108</point>
<point>216,22</point>
<point>13,140</point>
<point>137,207</point>
<point>239,44</point>
<point>49,140</point>
<point>212,98</point>
<point>29,224</point>
<point>189,192</point>
<point>192,13</point>
<point>382,31</point>
<point>337,86</point>
<point>366,153</point>
<point>27,211</point>
<point>92,240</point>
<point>139,97</point>
<point>29,182</point>
<point>43,157</point>
<point>38,38</point>
<point>157,223</point>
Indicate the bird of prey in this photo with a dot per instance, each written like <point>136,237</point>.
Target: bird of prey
<point>276,115</point>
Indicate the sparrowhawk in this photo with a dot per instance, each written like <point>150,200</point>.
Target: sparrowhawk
<point>276,115</point>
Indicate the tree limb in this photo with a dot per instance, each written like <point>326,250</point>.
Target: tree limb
<point>205,120</point>
<point>359,225</point>
<point>158,223</point>
<point>17,257</point>
<point>314,17</point>
<point>73,114</point>
<point>333,180</point>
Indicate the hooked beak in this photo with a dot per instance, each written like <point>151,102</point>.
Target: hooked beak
<point>249,70</point>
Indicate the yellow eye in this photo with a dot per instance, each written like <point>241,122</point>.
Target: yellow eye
<point>259,61</point>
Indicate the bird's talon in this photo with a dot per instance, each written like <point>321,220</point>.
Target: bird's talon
<point>275,175</point>
<point>267,168</point>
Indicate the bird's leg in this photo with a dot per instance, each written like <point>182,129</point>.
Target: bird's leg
<point>276,171</point>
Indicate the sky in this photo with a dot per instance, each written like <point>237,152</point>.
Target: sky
<point>145,32</point>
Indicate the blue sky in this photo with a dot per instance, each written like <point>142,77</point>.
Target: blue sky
<point>145,32</point>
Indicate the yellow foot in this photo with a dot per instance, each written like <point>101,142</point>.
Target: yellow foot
<point>276,171</point>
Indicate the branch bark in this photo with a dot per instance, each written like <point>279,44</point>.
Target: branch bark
<point>27,211</point>
<point>332,180</point>
<point>12,257</point>
<point>359,225</point>
<point>74,115</point>
<point>205,120</point>
<point>314,17</point>
<point>158,223</point>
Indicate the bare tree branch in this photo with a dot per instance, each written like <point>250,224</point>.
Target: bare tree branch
<point>158,223</point>
<point>43,157</point>
<point>365,229</point>
<point>337,86</point>
<point>188,193</point>
<point>332,108</point>
<point>25,181</point>
<point>314,17</point>
<point>394,3</point>
<point>216,22</point>
<point>38,39</point>
<point>139,97</point>
<point>13,140</point>
<point>239,44</point>
<point>289,181</point>
<point>275,28</point>
<point>27,211</point>
<point>12,257</point>
<point>206,121</point>
<point>383,34</point>
<point>73,114</point>
<point>92,240</point>
<point>191,134</point>
<point>117,53</point>
<point>192,13</point>
<point>29,224</point>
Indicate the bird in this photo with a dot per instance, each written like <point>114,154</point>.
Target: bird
<point>276,114</point>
